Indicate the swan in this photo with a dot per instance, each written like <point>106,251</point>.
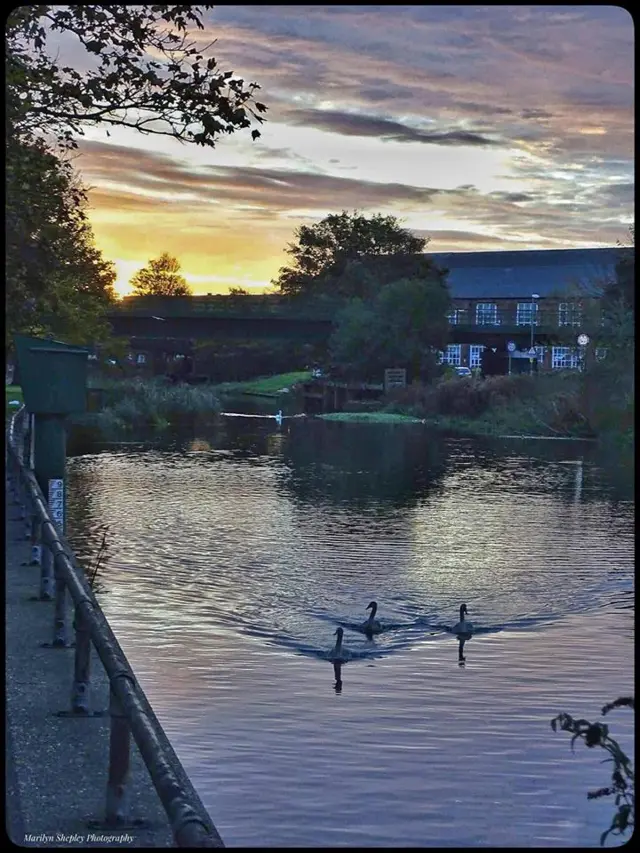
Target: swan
<point>371,625</point>
<point>338,654</point>
<point>463,628</point>
<point>278,417</point>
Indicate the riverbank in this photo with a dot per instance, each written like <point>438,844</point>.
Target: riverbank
<point>265,386</point>
<point>56,766</point>
<point>546,406</point>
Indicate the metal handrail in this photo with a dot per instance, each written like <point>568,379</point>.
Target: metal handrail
<point>129,707</point>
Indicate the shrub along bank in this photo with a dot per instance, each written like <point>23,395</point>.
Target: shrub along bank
<point>128,404</point>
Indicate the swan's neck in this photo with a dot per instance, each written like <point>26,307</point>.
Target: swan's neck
<point>462,614</point>
<point>373,612</point>
<point>338,644</point>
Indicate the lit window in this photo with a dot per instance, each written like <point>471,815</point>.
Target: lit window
<point>452,355</point>
<point>569,314</point>
<point>475,355</point>
<point>141,358</point>
<point>527,314</point>
<point>487,314</point>
<point>565,357</point>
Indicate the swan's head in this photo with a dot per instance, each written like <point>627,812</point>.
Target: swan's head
<point>339,632</point>
<point>463,610</point>
<point>372,606</point>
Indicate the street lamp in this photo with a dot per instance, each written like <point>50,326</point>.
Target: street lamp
<point>534,296</point>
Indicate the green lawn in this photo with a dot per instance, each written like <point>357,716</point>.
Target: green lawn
<point>12,392</point>
<point>371,417</point>
<point>269,385</point>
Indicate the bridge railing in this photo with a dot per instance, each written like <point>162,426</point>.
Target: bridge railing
<point>129,710</point>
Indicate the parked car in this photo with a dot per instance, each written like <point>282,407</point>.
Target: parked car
<point>463,371</point>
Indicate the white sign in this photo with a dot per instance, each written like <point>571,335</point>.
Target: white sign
<point>583,339</point>
<point>532,352</point>
<point>511,346</point>
<point>56,502</point>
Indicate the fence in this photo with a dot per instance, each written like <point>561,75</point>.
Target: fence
<point>129,709</point>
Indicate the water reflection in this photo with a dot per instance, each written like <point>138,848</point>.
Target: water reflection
<point>237,551</point>
<point>337,671</point>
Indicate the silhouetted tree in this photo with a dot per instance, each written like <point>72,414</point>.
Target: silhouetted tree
<point>161,277</point>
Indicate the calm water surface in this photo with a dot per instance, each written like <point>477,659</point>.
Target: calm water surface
<point>234,555</point>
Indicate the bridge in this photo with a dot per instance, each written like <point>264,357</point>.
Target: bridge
<point>255,317</point>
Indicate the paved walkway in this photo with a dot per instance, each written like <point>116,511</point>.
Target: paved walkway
<point>56,767</point>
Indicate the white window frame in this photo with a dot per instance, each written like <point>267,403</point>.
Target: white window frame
<point>141,358</point>
<point>540,354</point>
<point>475,355</point>
<point>524,311</point>
<point>453,355</point>
<point>569,314</point>
<point>457,316</point>
<point>484,308</point>
<point>565,358</point>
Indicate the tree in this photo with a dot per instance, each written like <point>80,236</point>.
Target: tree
<point>57,282</point>
<point>139,70</point>
<point>326,255</point>
<point>402,326</point>
<point>161,277</point>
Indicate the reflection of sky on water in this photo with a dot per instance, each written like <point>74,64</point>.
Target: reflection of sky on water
<point>233,559</point>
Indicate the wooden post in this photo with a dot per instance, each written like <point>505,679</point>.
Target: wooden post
<point>117,811</point>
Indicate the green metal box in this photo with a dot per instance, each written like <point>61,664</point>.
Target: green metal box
<point>53,376</point>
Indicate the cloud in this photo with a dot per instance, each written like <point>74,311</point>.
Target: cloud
<point>481,126</point>
<point>353,124</point>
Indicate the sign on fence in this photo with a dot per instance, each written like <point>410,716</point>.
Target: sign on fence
<point>395,377</point>
<point>56,502</point>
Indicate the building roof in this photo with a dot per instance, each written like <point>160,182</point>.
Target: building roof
<point>510,275</point>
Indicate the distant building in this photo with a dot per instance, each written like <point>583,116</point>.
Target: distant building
<point>512,293</point>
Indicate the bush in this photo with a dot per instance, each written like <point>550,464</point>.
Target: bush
<point>362,406</point>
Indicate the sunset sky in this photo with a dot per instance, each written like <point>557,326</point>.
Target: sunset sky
<point>499,127</point>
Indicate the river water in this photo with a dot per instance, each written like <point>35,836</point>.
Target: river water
<point>236,549</point>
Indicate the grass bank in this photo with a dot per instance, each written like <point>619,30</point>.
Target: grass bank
<point>12,392</point>
<point>371,417</point>
<point>546,405</point>
<point>265,386</point>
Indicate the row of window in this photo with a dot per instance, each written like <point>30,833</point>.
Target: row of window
<point>569,314</point>
<point>561,357</point>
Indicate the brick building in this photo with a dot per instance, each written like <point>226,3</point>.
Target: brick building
<point>536,297</point>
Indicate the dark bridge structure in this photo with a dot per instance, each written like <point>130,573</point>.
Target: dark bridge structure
<point>491,292</point>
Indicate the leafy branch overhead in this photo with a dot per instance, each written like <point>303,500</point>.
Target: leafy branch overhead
<point>622,786</point>
<point>142,71</point>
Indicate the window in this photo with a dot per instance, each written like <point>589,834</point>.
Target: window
<point>457,316</point>
<point>601,353</point>
<point>475,355</point>
<point>569,314</point>
<point>452,355</point>
<point>487,314</point>
<point>565,357</point>
<point>141,358</point>
<point>527,314</point>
